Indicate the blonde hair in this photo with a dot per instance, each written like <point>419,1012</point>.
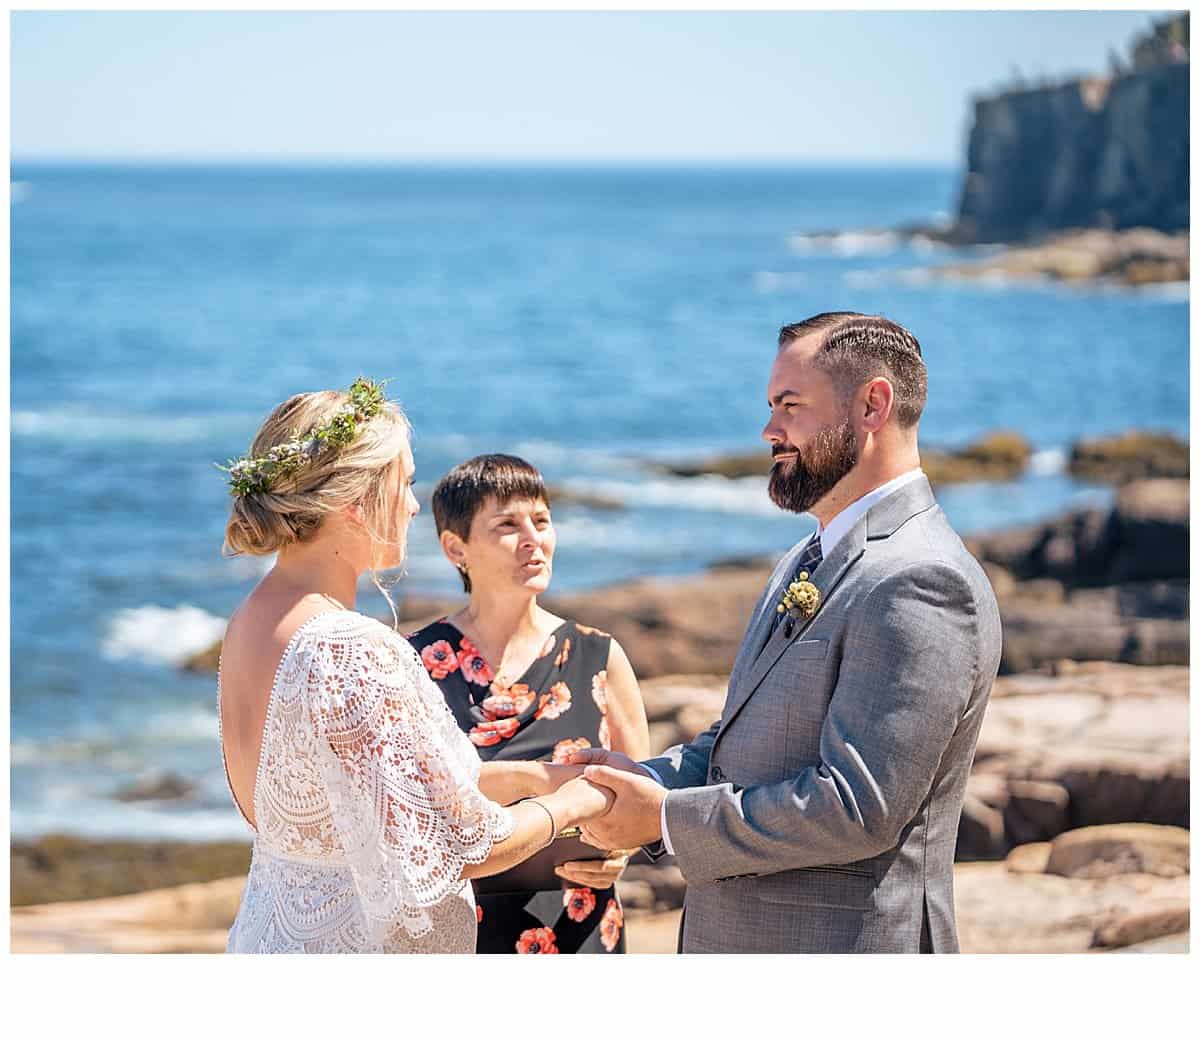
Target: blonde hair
<point>293,509</point>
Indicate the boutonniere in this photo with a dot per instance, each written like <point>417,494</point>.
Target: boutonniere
<point>799,601</point>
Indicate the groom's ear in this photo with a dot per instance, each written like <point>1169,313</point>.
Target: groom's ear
<point>878,401</point>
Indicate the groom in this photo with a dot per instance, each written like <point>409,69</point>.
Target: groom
<point>819,813</point>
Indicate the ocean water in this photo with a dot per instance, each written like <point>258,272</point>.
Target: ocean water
<point>589,319</point>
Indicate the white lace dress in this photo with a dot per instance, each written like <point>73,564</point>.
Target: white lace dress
<point>367,803</point>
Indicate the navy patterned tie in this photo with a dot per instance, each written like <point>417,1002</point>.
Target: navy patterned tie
<point>810,559</point>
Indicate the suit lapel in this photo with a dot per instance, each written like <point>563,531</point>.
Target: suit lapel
<point>880,522</point>
<point>760,623</point>
<point>826,578</point>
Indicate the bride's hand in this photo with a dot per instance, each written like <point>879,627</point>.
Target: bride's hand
<point>552,776</point>
<point>580,801</point>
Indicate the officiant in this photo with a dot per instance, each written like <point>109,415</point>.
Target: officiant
<point>525,684</point>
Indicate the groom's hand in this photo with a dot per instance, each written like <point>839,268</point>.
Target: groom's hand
<point>635,818</point>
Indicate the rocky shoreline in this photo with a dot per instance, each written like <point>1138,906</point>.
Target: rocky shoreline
<point>1085,736</point>
<point>1135,257</point>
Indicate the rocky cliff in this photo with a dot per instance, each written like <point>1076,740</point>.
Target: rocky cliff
<point>1093,152</point>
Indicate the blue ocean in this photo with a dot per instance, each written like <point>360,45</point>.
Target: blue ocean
<point>593,320</point>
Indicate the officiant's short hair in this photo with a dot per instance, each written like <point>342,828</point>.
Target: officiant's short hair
<point>461,492</point>
<point>858,347</point>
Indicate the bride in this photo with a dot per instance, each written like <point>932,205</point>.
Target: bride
<point>369,807</point>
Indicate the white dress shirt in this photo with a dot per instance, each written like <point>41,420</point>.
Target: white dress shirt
<point>838,527</point>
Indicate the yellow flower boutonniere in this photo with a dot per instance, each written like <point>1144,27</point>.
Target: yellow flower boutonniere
<point>799,601</point>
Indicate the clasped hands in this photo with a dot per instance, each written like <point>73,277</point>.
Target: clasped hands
<point>633,817</point>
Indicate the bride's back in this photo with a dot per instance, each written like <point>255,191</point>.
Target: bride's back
<point>255,641</point>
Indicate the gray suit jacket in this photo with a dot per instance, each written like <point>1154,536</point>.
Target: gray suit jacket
<point>820,812</point>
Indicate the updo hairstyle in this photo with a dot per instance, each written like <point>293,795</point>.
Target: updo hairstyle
<point>295,506</point>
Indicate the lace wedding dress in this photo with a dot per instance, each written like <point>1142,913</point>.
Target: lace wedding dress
<point>366,802</point>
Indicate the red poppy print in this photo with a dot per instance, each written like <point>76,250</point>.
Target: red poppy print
<point>538,941</point>
<point>605,741</point>
<point>564,748</point>
<point>610,925</point>
<point>563,654</point>
<point>474,667</point>
<point>600,690</point>
<point>579,902</point>
<point>509,702</point>
<point>479,913</point>
<point>554,703</point>
<point>439,659</point>
<point>488,733</point>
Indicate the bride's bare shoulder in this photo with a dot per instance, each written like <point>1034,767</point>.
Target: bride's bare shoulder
<point>263,626</point>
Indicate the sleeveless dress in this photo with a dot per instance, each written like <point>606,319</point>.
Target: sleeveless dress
<point>366,801</point>
<point>558,705</point>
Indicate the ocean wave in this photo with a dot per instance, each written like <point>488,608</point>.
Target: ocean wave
<point>846,243</point>
<point>159,634</point>
<point>1050,462</point>
<point>702,493</point>
<point>193,724</point>
<point>768,281</point>
<point>1164,292</point>
<point>97,817</point>
<point>74,425</point>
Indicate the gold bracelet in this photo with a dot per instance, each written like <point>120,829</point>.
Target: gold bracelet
<point>553,823</point>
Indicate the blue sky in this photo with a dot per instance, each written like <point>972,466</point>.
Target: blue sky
<point>794,86</point>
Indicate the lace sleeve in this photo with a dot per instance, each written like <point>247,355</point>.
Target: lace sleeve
<point>402,779</point>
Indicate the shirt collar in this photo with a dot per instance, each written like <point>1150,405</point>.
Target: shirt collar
<point>841,523</point>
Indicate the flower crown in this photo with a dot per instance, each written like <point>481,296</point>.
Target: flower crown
<point>255,475</point>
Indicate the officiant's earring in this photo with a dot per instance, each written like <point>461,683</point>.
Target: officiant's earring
<point>466,576</point>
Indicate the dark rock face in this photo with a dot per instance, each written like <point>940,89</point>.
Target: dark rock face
<point>1089,153</point>
<point>1144,538</point>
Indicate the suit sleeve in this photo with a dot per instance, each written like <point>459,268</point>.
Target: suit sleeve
<point>687,763</point>
<point>904,683</point>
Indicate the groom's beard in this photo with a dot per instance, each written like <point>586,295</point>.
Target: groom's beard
<point>817,468</point>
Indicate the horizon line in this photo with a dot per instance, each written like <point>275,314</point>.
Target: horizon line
<point>464,161</point>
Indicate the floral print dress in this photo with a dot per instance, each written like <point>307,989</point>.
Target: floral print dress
<point>557,706</point>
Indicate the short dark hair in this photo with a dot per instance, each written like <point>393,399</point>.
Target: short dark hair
<point>859,347</point>
<point>461,492</point>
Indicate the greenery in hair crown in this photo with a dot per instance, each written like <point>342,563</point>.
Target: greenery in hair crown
<point>251,475</point>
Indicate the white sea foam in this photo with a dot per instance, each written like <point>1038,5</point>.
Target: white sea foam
<point>708,493</point>
<point>74,425</point>
<point>768,281</point>
<point>1050,462</point>
<point>194,724</point>
<point>1165,292</point>
<point>846,243</point>
<point>97,816</point>
<point>160,634</point>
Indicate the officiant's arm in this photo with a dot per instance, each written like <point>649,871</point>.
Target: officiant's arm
<point>903,688</point>
<point>624,711</point>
